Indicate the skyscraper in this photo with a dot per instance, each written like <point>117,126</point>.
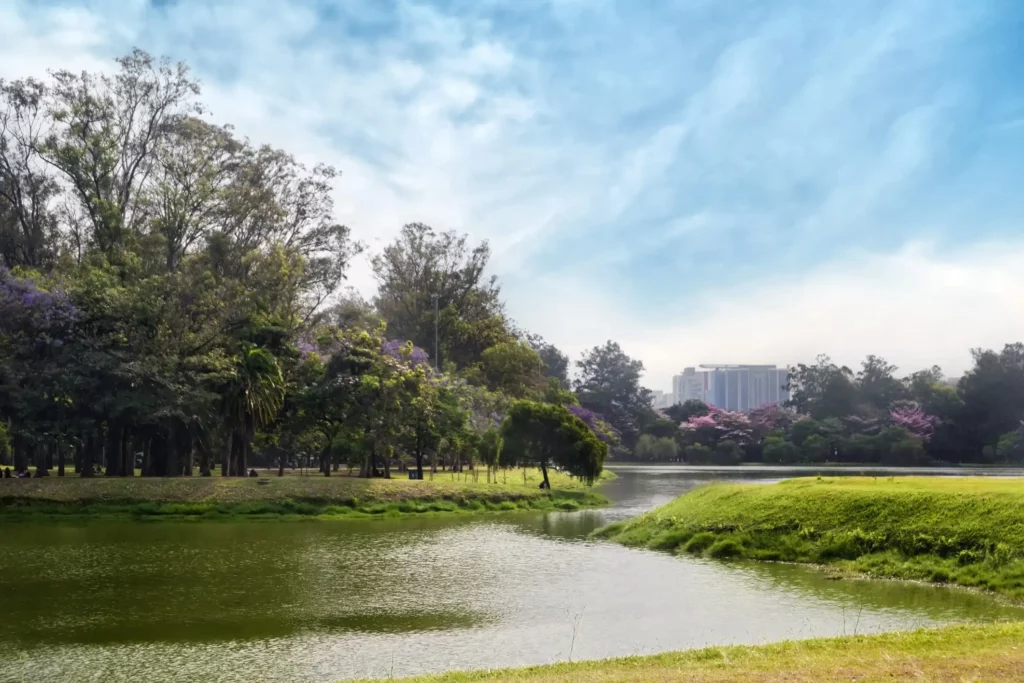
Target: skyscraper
<point>732,387</point>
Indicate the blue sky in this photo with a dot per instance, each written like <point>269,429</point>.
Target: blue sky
<point>704,181</point>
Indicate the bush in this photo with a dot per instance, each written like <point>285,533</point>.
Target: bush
<point>727,452</point>
<point>725,548</point>
<point>699,542</point>
<point>779,451</point>
<point>697,454</point>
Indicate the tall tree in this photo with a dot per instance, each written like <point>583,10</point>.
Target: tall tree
<point>423,274</point>
<point>823,389</point>
<point>878,384</point>
<point>28,225</point>
<point>556,363</point>
<point>608,382</point>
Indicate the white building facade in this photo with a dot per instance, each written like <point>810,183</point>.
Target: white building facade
<point>732,387</point>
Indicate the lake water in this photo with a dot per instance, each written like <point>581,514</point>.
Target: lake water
<point>322,601</point>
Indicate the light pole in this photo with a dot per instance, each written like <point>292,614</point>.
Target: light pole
<point>435,331</point>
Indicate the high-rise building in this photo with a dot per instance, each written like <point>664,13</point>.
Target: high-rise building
<point>733,387</point>
<point>660,399</point>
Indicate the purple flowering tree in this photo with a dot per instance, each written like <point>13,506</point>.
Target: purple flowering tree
<point>406,352</point>
<point>911,417</point>
<point>597,424</point>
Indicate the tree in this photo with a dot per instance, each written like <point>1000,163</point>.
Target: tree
<point>251,400</point>
<point>609,384</point>
<point>681,412</point>
<point>878,385</point>
<point>823,389</point>
<point>421,265</point>
<point>778,450</point>
<point>547,435</point>
<point>816,448</point>
<point>556,363</point>
<point>652,448</point>
<point>513,368</point>
<point>28,226</point>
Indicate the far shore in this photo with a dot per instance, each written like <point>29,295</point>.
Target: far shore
<point>272,497</point>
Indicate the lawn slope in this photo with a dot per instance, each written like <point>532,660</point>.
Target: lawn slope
<point>956,653</point>
<point>968,531</point>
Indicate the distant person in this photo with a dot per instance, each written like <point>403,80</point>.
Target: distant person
<point>7,473</point>
<point>252,472</point>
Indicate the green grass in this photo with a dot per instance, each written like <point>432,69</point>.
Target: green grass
<point>966,531</point>
<point>281,497</point>
<point>957,653</point>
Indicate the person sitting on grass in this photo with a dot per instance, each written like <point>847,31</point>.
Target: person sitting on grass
<point>252,472</point>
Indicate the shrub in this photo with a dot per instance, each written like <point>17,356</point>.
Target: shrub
<point>725,548</point>
<point>699,542</point>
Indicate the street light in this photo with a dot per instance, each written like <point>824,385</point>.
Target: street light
<point>435,330</point>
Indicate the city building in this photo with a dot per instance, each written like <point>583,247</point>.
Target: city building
<point>732,387</point>
<point>660,399</point>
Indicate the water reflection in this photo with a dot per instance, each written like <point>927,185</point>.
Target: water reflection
<point>320,602</point>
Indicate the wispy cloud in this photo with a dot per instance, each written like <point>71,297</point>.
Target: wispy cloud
<point>674,175</point>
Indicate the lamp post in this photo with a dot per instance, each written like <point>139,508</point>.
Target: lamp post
<point>435,331</point>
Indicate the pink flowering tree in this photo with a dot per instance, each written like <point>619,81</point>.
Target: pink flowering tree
<point>772,417</point>
<point>912,418</point>
<point>718,425</point>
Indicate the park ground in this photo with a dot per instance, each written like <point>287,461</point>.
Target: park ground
<point>973,653</point>
<point>967,531</point>
<point>290,496</point>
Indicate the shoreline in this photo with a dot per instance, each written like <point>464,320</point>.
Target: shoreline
<point>959,652</point>
<point>964,532</point>
<point>285,498</point>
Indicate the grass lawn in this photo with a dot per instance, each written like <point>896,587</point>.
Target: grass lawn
<point>968,531</point>
<point>272,496</point>
<point>957,653</point>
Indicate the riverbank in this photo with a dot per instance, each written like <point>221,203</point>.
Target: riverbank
<point>335,497</point>
<point>966,531</point>
<point>978,653</point>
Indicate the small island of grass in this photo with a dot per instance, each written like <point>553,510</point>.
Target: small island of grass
<point>966,531</point>
<point>289,496</point>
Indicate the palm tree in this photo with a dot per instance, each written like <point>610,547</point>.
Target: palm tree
<point>251,400</point>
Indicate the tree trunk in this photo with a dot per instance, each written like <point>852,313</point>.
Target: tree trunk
<point>127,454</point>
<point>419,464</point>
<point>280,462</point>
<point>544,470</point>
<point>60,460</point>
<point>85,464</point>
<point>204,461</point>
<point>112,451</point>
<point>325,460</point>
<point>225,462</point>
<point>147,456</point>
<point>387,463</point>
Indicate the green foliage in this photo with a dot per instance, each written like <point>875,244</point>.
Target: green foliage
<point>513,368</point>
<point>779,451</point>
<point>546,435</point>
<point>681,412</point>
<point>609,384</point>
<point>652,448</point>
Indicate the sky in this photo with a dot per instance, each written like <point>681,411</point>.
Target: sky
<point>703,181</point>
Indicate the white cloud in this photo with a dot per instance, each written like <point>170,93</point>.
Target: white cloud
<point>916,307</point>
<point>449,122</point>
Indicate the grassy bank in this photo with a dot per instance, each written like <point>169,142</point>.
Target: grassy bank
<point>968,531</point>
<point>292,496</point>
<point>958,653</point>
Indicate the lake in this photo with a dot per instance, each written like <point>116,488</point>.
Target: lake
<point>316,601</point>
